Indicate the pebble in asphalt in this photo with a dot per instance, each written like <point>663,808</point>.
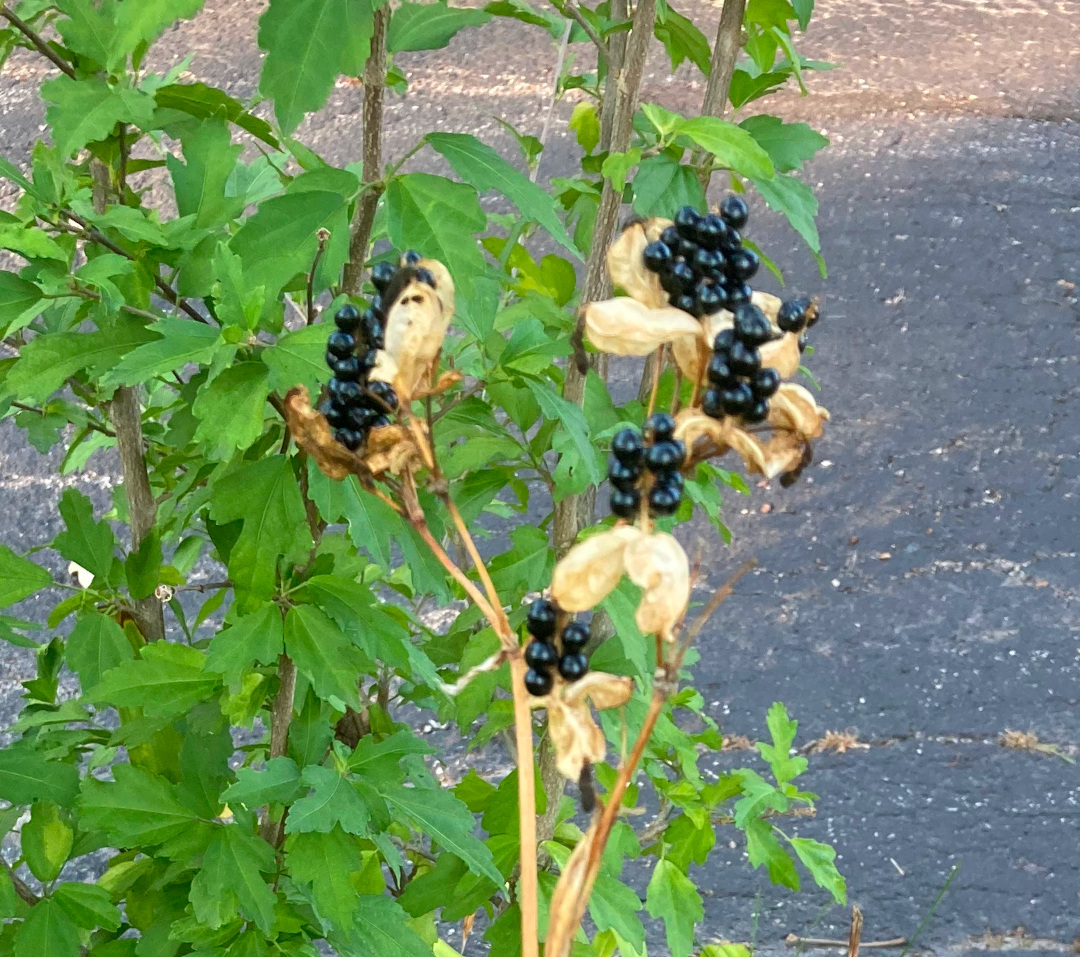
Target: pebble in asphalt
<point>951,223</point>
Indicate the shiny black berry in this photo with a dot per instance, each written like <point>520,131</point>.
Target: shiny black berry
<point>426,276</point>
<point>664,499</point>
<point>371,329</point>
<point>384,393</point>
<point>574,666</point>
<point>657,255</point>
<point>751,325</point>
<point>411,257</point>
<point>623,477</point>
<point>687,302</point>
<point>673,480</point>
<point>335,415</point>
<point>758,412</point>
<point>368,360</point>
<point>627,447</point>
<point>745,360</point>
<point>347,318</point>
<point>625,504</point>
<point>792,315</point>
<point>350,438</point>
<point>347,369</point>
<point>670,237</point>
<point>743,265</point>
<point>664,456</point>
<point>731,242</point>
<point>712,231</point>
<point>541,655</point>
<point>541,619</point>
<point>340,344</point>
<point>735,211</point>
<point>381,422</point>
<point>344,392</point>
<point>719,371</point>
<point>765,383</point>
<point>361,418</point>
<point>381,274</point>
<point>737,399</point>
<point>707,262</point>
<point>712,403</point>
<point>686,222</point>
<point>575,637</point>
<point>738,293</point>
<point>679,278</point>
<point>538,683</point>
<point>710,300</point>
<point>660,425</point>
<point>723,341</point>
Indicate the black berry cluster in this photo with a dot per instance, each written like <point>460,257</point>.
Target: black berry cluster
<point>701,261</point>
<point>797,315</point>
<point>738,385</point>
<point>660,454</point>
<point>544,656</point>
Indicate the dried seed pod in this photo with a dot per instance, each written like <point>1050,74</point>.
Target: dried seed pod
<point>416,323</point>
<point>626,327</point>
<point>592,569</point>
<point>793,409</point>
<point>659,566</point>
<point>782,354</point>
<point>626,264</point>
<point>574,733</point>
<point>706,437</point>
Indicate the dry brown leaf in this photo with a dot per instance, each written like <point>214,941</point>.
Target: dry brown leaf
<point>592,569</point>
<point>570,898</point>
<point>391,449</point>
<point>658,565</point>
<point>627,267</point>
<point>626,327</point>
<point>311,432</point>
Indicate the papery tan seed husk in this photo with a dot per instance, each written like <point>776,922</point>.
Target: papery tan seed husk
<point>592,569</point>
<point>659,566</point>
<point>626,327</point>
<point>570,898</point>
<point>706,437</point>
<point>416,324</point>
<point>312,433</point>
<point>794,409</point>
<point>626,265</point>
<point>768,304</point>
<point>391,448</point>
<point>577,739</point>
<point>602,690</point>
<point>782,354</point>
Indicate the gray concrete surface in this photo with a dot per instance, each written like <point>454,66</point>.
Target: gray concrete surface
<point>920,587</point>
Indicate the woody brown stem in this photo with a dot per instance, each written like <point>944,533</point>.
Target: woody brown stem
<point>280,719</point>
<point>725,51</point>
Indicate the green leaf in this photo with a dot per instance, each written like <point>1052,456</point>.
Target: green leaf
<point>47,932</point>
<point>200,182</point>
<point>47,839</point>
<point>97,644</point>
<point>585,122</point>
<point>733,147</point>
<point>202,102</point>
<point>143,22</point>
<point>166,681</point>
<point>308,43</point>
<point>180,342</point>
<point>785,766</point>
<point>298,358</point>
<point>820,860</point>
<point>481,167</point>
<point>277,783</point>
<point>673,897</point>
<point>230,880</point>
<point>758,796</point>
<point>429,26</point>
<point>333,802</point>
<point>231,409</point>
<point>85,541</point>
<point>663,185</point>
<point>762,847</point>
<point>614,905</point>
<point>804,9</point>
<point>617,167</point>
<point>19,302</point>
<point>442,816</point>
<point>19,578</point>
<point>326,863</point>
<point>25,777</point>
<point>797,202</point>
<point>683,41</point>
<point>324,655</point>
<point>89,29</point>
<point>86,110</point>
<point>88,905</point>
<point>250,639</point>
<point>136,808</point>
<point>789,145</point>
<point>571,423</point>
<point>31,243</point>
<point>266,497</point>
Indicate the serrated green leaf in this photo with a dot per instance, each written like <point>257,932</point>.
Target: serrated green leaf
<point>250,639</point>
<point>85,541</point>
<point>442,816</point>
<point>785,766</point>
<point>277,783</point>
<point>820,860</point>
<point>86,110</point>
<point>31,243</point>
<point>97,644</point>
<point>662,185</point>
<point>617,167</point>
<point>166,681</point>
<point>202,102</point>
<point>614,905</point>
<point>136,808</point>
<point>382,928</point>
<point>429,26</point>
<point>298,358</point>
<point>326,863</point>
<point>266,497</point>
<point>573,425</point>
<point>789,145</point>
<point>308,43</point>
<point>143,22</point>
<point>230,880</point>
<point>480,166</point>
<point>25,777</point>
<point>19,578</point>
<point>585,122</point>
<point>19,302</point>
<point>47,932</point>
<point>47,839</point>
<point>798,203</point>
<point>200,182</point>
<point>179,342</point>
<point>88,905</point>
<point>733,147</point>
<point>231,409</point>
<point>324,655</point>
<point>333,802</point>
<point>673,897</point>
<point>89,28</point>
<point>762,847</point>
<point>683,41</point>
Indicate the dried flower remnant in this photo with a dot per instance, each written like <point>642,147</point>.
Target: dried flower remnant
<point>592,569</point>
<point>659,566</point>
<point>577,738</point>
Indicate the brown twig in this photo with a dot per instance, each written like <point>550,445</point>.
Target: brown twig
<point>280,719</point>
<point>725,52</point>
<point>374,94</point>
<point>39,44</point>
<point>572,10</point>
<point>793,940</point>
<point>21,887</point>
<point>324,235</point>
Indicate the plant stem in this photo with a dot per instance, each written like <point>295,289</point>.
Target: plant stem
<point>574,12</point>
<point>374,94</point>
<point>725,51</point>
<point>324,235</point>
<point>280,719</point>
<point>616,57</point>
<point>35,38</point>
<point>21,888</point>
<point>546,129</point>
